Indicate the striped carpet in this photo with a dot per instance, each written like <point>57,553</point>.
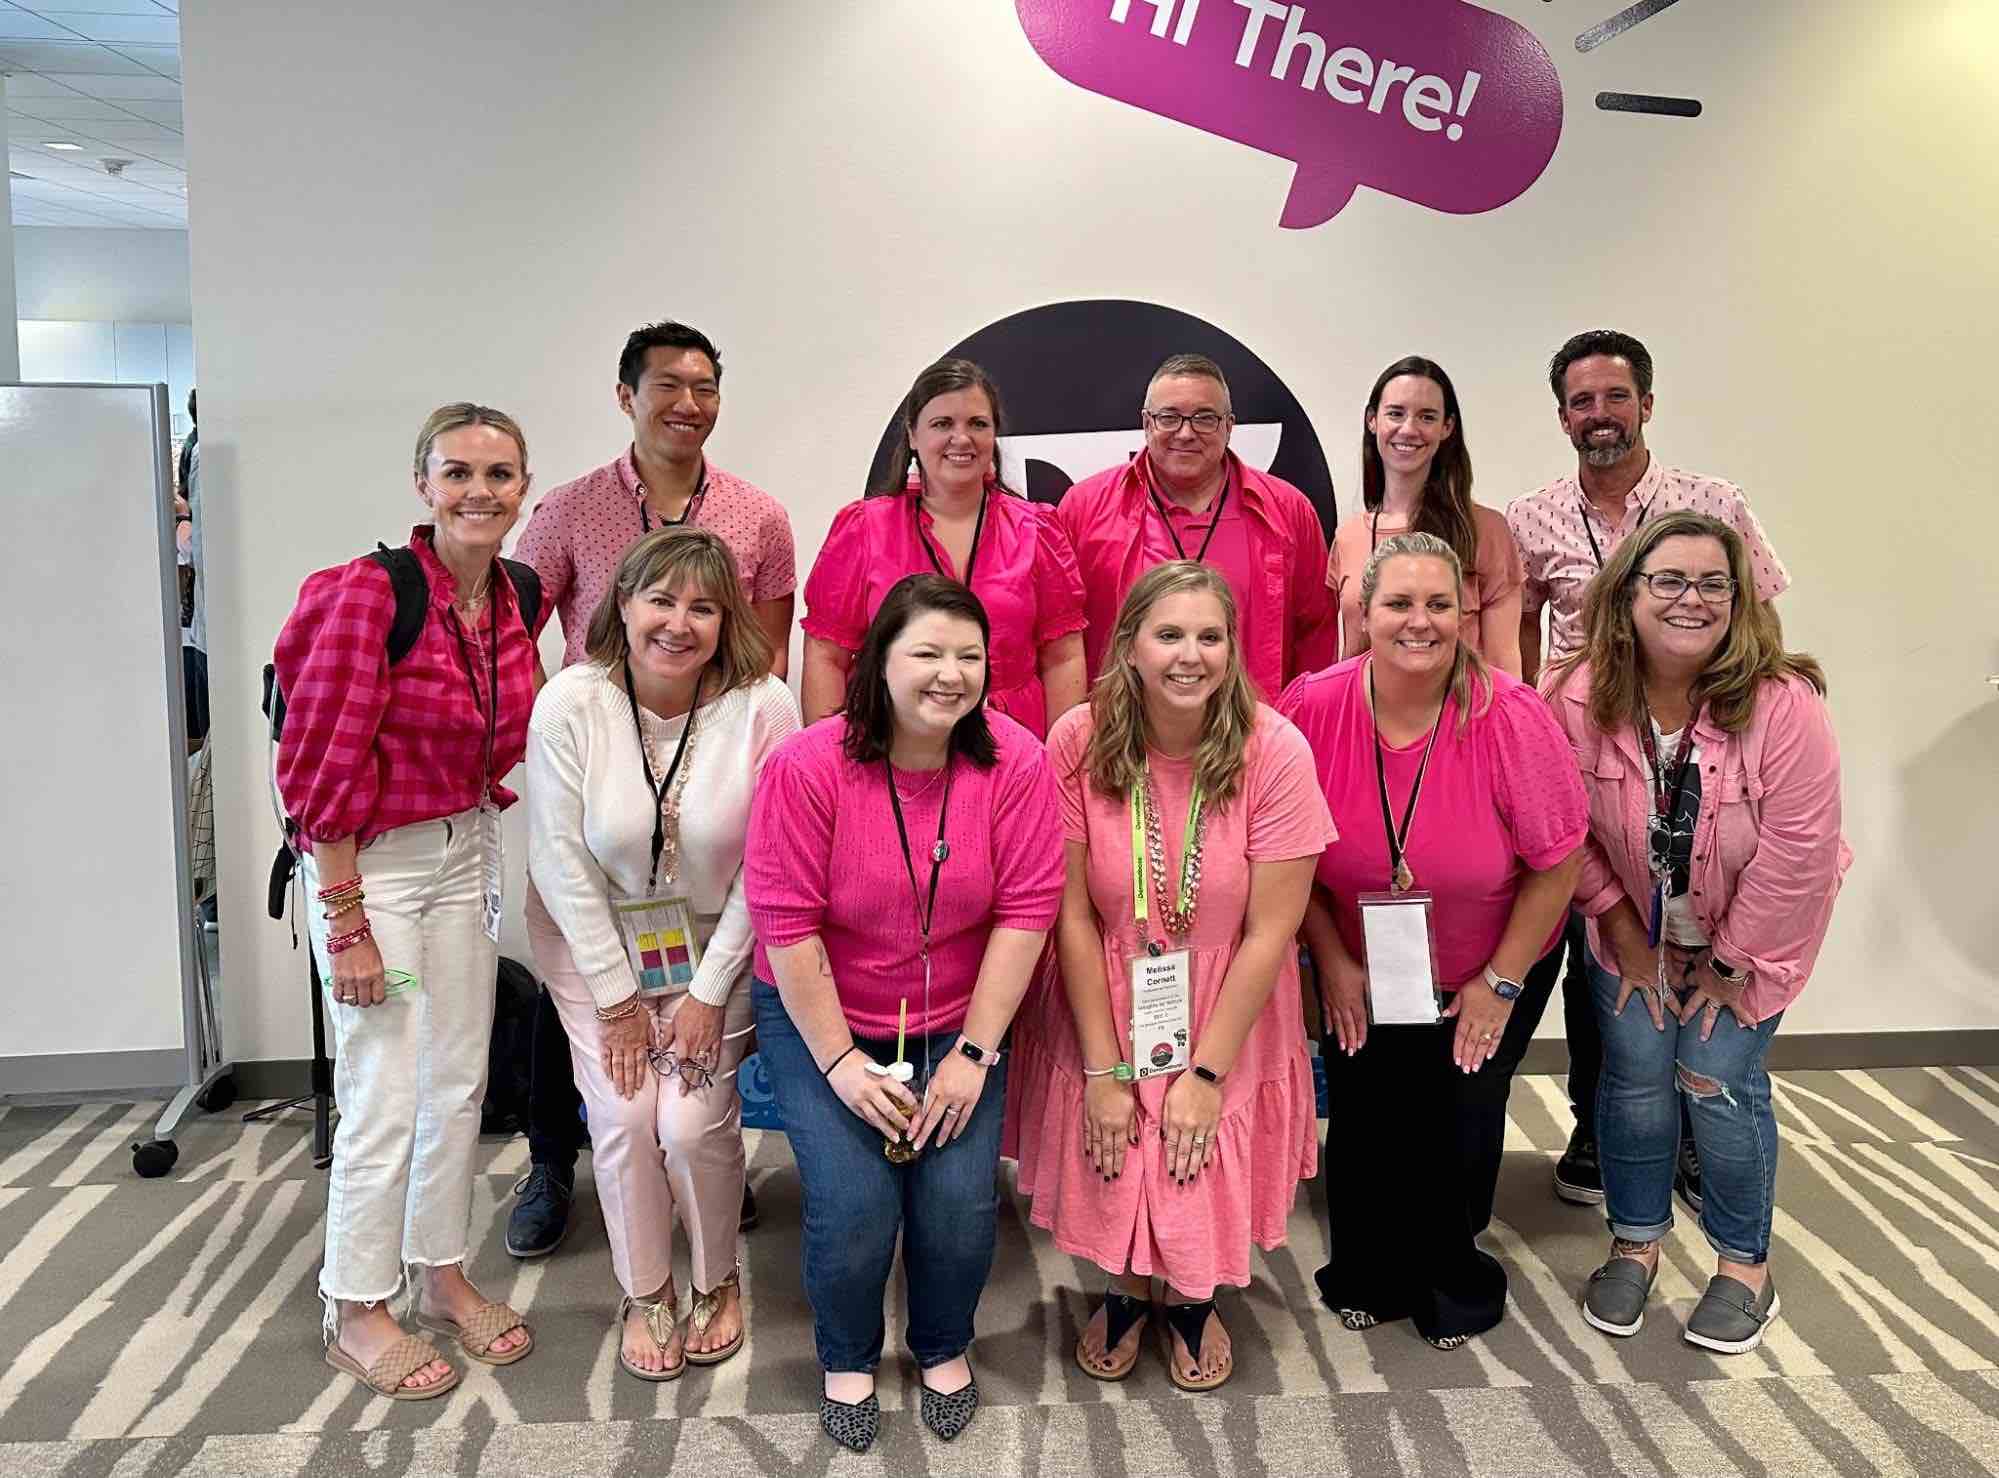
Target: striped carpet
<point>154,1327</point>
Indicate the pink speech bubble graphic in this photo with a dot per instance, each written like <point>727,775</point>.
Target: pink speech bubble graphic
<point>1435,101</point>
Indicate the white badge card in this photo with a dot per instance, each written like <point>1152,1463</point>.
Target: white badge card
<point>490,870</point>
<point>1401,958</point>
<point>1162,987</point>
<point>660,941</point>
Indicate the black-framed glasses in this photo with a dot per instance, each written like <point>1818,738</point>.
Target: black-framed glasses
<point>693,1072</point>
<point>1670,585</point>
<point>1207,423</point>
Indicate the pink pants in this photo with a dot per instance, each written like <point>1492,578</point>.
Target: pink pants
<point>660,1150</point>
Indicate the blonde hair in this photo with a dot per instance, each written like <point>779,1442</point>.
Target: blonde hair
<point>460,414</point>
<point>1115,759</point>
<point>1751,653</point>
<point>1468,669</point>
<point>695,558</point>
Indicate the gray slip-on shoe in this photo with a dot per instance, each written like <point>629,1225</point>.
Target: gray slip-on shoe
<point>1730,1319</point>
<point>1614,1300</point>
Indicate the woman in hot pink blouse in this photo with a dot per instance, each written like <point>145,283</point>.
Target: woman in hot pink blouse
<point>1164,1144</point>
<point>1448,779</point>
<point>955,518</point>
<point>1713,860</point>
<point>901,882</point>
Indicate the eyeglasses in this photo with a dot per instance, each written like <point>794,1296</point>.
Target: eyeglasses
<point>1207,423</point>
<point>1670,585</point>
<point>695,1074</point>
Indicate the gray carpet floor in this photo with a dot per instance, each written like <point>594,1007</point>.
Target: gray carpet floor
<point>155,1327</point>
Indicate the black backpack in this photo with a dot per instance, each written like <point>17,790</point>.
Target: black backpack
<point>412,592</point>
<point>510,1053</point>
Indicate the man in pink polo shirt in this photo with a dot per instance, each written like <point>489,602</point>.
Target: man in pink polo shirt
<point>670,387</point>
<point>1187,496</point>
<point>1602,381</point>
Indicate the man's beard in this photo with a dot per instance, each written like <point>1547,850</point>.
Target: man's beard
<point>1598,455</point>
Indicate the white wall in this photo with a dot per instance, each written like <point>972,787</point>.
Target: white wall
<point>10,367</point>
<point>102,276</point>
<point>844,191</point>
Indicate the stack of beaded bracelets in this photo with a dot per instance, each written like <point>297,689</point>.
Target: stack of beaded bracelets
<point>342,898</point>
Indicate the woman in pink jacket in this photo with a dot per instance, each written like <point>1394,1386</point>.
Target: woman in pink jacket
<point>1709,875</point>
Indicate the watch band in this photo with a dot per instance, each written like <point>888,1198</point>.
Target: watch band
<point>1207,1074</point>
<point>1505,989</point>
<point>1724,971</point>
<point>977,1053</point>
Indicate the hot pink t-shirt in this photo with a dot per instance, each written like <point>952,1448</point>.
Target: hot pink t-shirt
<point>579,532</point>
<point>824,858</point>
<point>1024,574</point>
<point>1501,797</point>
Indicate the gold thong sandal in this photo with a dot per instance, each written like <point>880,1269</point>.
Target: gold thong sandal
<point>706,1307</point>
<point>659,1322</point>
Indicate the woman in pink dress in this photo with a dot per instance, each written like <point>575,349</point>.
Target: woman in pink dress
<point>952,517</point>
<point>1454,782</point>
<point>1162,1141</point>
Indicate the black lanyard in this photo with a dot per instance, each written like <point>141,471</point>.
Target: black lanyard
<point>1221,502</point>
<point>1400,878</point>
<point>971,556</point>
<point>1582,505</point>
<point>659,789</point>
<point>490,709</point>
<point>926,913</point>
<point>686,514</point>
<point>1665,797</point>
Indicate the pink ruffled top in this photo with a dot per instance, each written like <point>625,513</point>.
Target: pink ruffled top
<point>1197,1235</point>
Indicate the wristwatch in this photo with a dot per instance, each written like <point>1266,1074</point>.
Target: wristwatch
<point>977,1053</point>
<point>1726,973</point>
<point>1207,1074</point>
<point>1505,989</point>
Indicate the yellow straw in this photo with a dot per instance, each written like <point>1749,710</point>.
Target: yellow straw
<point>901,1022</point>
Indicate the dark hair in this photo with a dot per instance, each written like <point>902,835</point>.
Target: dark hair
<point>869,713</point>
<point>667,335</point>
<point>190,407</point>
<point>945,377</point>
<point>1607,341</point>
<point>1446,507</point>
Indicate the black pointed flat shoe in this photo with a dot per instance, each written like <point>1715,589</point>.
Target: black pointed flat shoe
<point>852,1424</point>
<point>947,1416</point>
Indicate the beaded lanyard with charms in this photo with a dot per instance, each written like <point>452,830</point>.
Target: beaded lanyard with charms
<point>667,792</point>
<point>1176,911</point>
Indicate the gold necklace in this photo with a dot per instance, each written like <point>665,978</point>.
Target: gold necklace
<point>669,804</point>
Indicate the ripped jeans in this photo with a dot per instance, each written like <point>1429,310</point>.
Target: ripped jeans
<point>1645,1073</point>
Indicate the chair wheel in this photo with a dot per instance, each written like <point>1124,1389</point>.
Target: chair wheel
<point>217,1096</point>
<point>154,1157</point>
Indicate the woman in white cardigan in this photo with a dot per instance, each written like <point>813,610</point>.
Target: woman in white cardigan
<point>642,934</point>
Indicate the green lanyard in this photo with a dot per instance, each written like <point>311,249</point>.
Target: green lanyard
<point>1140,893</point>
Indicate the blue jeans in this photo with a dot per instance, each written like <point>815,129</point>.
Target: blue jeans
<point>945,1204</point>
<point>1645,1075</point>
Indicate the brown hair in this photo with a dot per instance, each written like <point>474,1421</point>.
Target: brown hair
<point>460,414</point>
<point>1446,507</point>
<point>1468,667</point>
<point>694,557</point>
<point>1751,653</point>
<point>869,710</point>
<point>945,377</point>
<point>1115,759</point>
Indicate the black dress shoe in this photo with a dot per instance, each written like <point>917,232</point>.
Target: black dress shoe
<point>749,1217</point>
<point>1578,1176</point>
<point>947,1416</point>
<point>541,1216</point>
<point>852,1424</point>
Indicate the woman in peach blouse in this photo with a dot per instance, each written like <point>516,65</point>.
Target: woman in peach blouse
<point>1416,476</point>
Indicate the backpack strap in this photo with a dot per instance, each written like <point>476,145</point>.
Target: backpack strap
<point>412,591</point>
<point>527,590</point>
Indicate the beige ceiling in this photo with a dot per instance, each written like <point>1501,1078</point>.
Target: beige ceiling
<point>104,74</point>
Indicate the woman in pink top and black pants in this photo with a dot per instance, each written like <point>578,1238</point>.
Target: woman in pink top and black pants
<point>1165,1112</point>
<point>1713,859</point>
<point>901,882</point>
<point>952,517</point>
<point>1448,779</point>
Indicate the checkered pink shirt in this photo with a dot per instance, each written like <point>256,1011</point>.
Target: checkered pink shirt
<point>580,530</point>
<point>1559,561</point>
<point>368,747</point>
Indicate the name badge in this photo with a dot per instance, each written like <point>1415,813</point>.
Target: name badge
<point>660,942</point>
<point>1401,958</point>
<point>490,869</point>
<point>1161,1008</point>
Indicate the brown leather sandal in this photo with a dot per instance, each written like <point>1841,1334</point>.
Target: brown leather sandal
<point>475,1336</point>
<point>387,1372</point>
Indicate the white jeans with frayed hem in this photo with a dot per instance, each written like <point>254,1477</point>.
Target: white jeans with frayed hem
<point>408,1074</point>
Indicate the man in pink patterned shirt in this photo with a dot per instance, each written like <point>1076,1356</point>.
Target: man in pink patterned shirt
<point>1602,381</point>
<point>670,386</point>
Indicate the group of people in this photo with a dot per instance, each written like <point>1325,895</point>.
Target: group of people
<point>1029,872</point>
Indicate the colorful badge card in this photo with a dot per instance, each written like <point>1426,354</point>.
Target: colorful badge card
<point>661,943</point>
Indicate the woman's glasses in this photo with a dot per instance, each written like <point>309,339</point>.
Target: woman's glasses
<point>1670,585</point>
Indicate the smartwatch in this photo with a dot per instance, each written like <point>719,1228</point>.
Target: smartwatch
<point>977,1053</point>
<point>1206,1074</point>
<point>1726,973</point>
<point>1505,989</point>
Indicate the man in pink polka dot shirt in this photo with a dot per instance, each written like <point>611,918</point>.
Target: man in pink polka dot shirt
<point>1602,381</point>
<point>670,385</point>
